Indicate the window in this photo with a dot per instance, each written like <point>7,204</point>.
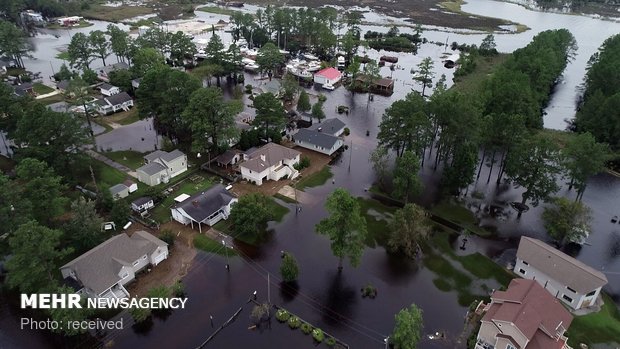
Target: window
<point>526,263</point>
<point>522,271</point>
<point>124,275</point>
<point>510,346</point>
<point>570,289</point>
<point>144,257</point>
<point>591,294</point>
<point>136,262</point>
<point>567,298</point>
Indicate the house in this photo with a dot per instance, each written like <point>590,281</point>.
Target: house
<point>269,162</point>
<point>109,90</point>
<point>207,207</point>
<point>229,158</point>
<point>131,185</point>
<point>333,127</point>
<point>318,141</point>
<point>135,83</point>
<point>114,103</point>
<point>161,166</point>
<point>23,89</point>
<point>142,204</point>
<point>383,85</point>
<point>571,281</point>
<point>119,191</point>
<point>103,271</point>
<point>525,316</point>
<point>103,73</point>
<point>63,85</point>
<point>329,76</point>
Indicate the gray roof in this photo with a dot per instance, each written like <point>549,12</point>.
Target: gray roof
<point>273,154</point>
<point>151,168</point>
<point>141,201</point>
<point>98,268</point>
<point>166,156</point>
<point>115,189</point>
<point>63,84</point>
<point>106,86</point>
<point>317,138</point>
<point>329,126</point>
<point>113,67</point>
<point>60,107</point>
<point>227,157</point>
<point>119,98</point>
<point>560,266</point>
<point>203,204</point>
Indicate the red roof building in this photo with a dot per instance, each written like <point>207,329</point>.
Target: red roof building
<point>328,76</point>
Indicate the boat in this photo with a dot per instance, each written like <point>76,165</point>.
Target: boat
<point>300,73</point>
<point>341,62</point>
<point>310,57</point>
<point>329,87</point>
<point>313,67</point>
<point>251,67</point>
<point>246,61</point>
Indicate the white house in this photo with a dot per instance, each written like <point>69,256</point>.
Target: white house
<point>115,103</point>
<point>207,207</point>
<point>131,185</point>
<point>161,166</point>
<point>104,270</point>
<point>109,90</point>
<point>318,141</point>
<point>329,76</point>
<point>333,127</point>
<point>119,191</point>
<point>142,204</point>
<point>269,162</point>
<point>571,281</point>
<point>135,83</point>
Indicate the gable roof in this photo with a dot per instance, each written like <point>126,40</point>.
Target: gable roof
<point>320,139</point>
<point>115,189</point>
<point>203,204</point>
<point>142,200</point>
<point>273,154</point>
<point>533,310</point>
<point>560,266</point>
<point>98,268</point>
<point>119,98</point>
<point>330,73</point>
<point>106,86</point>
<point>152,168</point>
<point>227,157</point>
<point>62,84</point>
<point>164,155</point>
<point>329,126</point>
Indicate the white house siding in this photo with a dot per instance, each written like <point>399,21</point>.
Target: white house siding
<point>320,79</point>
<point>253,176</point>
<point>159,255</point>
<point>122,106</point>
<point>554,287</point>
<point>319,149</point>
<point>149,180</point>
<point>177,166</point>
<point>143,207</point>
<point>180,216</point>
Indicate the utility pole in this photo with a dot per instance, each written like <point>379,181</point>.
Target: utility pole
<point>226,251</point>
<point>350,155</point>
<point>268,295</point>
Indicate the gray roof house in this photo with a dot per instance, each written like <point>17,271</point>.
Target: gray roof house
<point>161,166</point>
<point>333,127</point>
<point>119,191</point>
<point>115,103</point>
<point>571,281</point>
<point>109,90</point>
<point>207,207</point>
<point>318,141</point>
<point>104,270</point>
<point>135,83</point>
<point>269,162</point>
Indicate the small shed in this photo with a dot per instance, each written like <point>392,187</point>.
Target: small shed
<point>228,158</point>
<point>131,185</point>
<point>119,191</point>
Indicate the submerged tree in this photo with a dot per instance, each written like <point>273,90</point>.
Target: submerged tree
<point>406,180</point>
<point>408,228</point>
<point>380,159</point>
<point>583,157</point>
<point>567,221</point>
<point>303,104</point>
<point>250,215</point>
<point>99,45</point>
<point>424,75</point>
<point>408,328</point>
<point>289,268</point>
<point>270,113</point>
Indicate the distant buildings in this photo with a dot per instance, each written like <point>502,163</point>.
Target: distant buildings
<point>161,166</point>
<point>103,73</point>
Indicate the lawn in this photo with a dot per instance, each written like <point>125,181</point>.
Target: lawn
<point>129,158</point>
<point>125,117</point>
<point>41,89</point>
<point>203,242</point>
<point>315,179</point>
<point>601,327</point>
<point>115,14</point>
<point>52,99</point>
<point>105,175</point>
<point>377,217</point>
<point>471,83</point>
<point>217,10</point>
<point>461,216</point>
<point>161,212</point>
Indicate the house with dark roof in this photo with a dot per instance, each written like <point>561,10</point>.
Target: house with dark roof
<point>103,271</point>
<point>115,103</point>
<point>109,90</point>
<point>160,166</point>
<point>318,141</point>
<point>23,89</point>
<point>142,204</point>
<point>569,280</point>
<point>229,158</point>
<point>207,207</point>
<point>269,162</point>
<point>332,126</point>
<point>525,316</point>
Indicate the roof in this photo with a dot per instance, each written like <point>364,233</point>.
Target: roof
<point>384,82</point>
<point>227,157</point>
<point>203,204</point>
<point>330,73</point>
<point>106,86</point>
<point>128,182</point>
<point>164,155</point>
<point>560,266</point>
<point>151,168</point>
<point>141,201</point>
<point>329,126</point>
<point>321,139</point>
<point>533,310</point>
<point>115,189</point>
<point>63,84</point>
<point>98,268</point>
<point>273,153</point>
<point>119,98</point>
<point>112,67</point>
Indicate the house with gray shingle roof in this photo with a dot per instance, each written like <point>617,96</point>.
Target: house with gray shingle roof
<point>318,141</point>
<point>104,270</point>
<point>207,207</point>
<point>108,89</point>
<point>571,281</point>
<point>114,103</point>
<point>269,162</point>
<point>161,166</point>
<point>333,127</point>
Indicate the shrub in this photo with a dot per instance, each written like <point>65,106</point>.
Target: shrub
<point>294,322</point>
<point>330,341</point>
<point>303,163</point>
<point>248,89</point>
<point>369,291</point>
<point>318,335</point>
<point>178,289</point>
<point>347,131</point>
<point>282,315</point>
<point>322,98</point>
<point>167,236</point>
<point>306,328</point>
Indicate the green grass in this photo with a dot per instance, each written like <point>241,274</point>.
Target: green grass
<point>601,327</point>
<point>314,180</point>
<point>115,14</point>
<point>105,175</point>
<point>129,158</point>
<point>161,212</point>
<point>217,10</point>
<point>377,216</point>
<point>461,216</point>
<point>472,83</point>
<point>41,89</point>
<point>131,117</point>
<point>202,242</point>
<point>52,99</point>
<point>284,198</point>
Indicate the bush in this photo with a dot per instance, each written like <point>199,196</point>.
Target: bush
<point>306,328</point>
<point>237,93</point>
<point>330,341</point>
<point>178,289</point>
<point>369,291</point>
<point>248,89</point>
<point>347,131</point>
<point>283,315</point>
<point>294,322</point>
<point>322,98</point>
<point>318,335</point>
<point>303,163</point>
<point>167,236</point>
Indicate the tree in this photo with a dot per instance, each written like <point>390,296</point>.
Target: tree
<point>120,42</point>
<point>583,157</point>
<point>79,94</point>
<point>290,87</point>
<point>156,38</point>
<point>36,253</point>
<point>13,43</point>
<point>317,110</point>
<point>64,73</point>
<point>406,180</point>
<point>119,214</point>
<point>89,76</point>
<point>269,59</point>
<point>259,312</point>
<point>79,52</point>
<point>42,188</point>
<point>408,328</point>
<point>487,47</point>
<point>99,44</point>
<point>211,119</point>
<point>372,73</point>
<point>349,45</point>
<point>144,60</point>
<point>14,210</point>
<point>380,159</point>
<point>181,47</point>
<point>407,229</point>
<point>270,113</point>
<point>249,216</point>
<point>122,79</point>
<point>459,172</point>
<point>84,228</point>
<point>345,227</point>
<point>64,315</point>
<point>289,268</point>
<point>425,74</point>
<point>303,104</point>
<point>567,221</point>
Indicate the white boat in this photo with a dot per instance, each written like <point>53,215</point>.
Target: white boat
<point>313,67</point>
<point>341,62</point>
<point>301,73</point>
<point>310,57</point>
<point>246,61</point>
<point>252,67</point>
<point>329,87</point>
